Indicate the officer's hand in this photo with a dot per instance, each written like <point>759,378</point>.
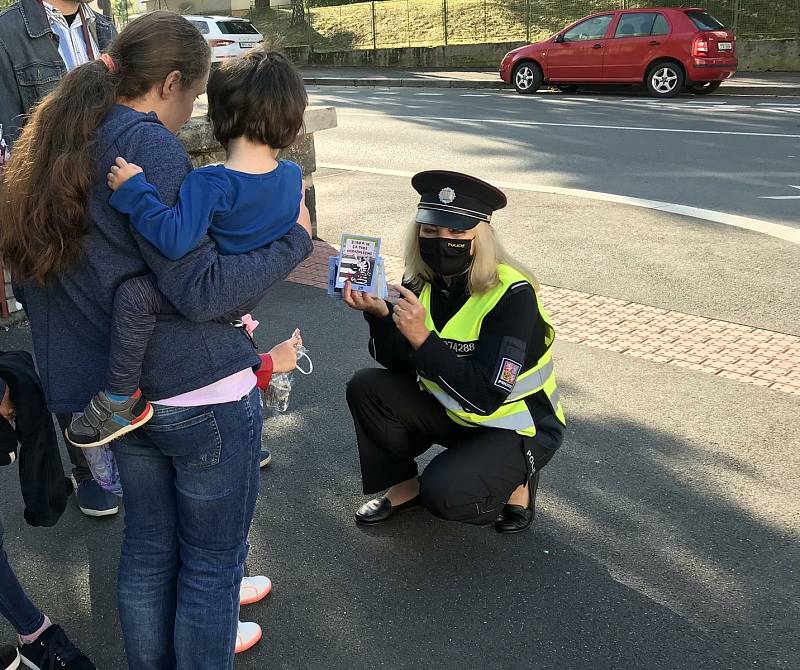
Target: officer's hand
<point>409,315</point>
<point>364,302</point>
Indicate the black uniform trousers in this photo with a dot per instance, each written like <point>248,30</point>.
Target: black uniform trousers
<point>396,421</point>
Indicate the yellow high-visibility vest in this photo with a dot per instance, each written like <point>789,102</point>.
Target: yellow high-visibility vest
<point>463,330</point>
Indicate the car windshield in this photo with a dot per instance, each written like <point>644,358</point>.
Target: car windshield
<point>202,26</point>
<point>236,28</point>
<point>704,21</point>
<point>593,28</point>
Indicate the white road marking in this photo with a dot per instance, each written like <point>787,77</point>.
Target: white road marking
<point>591,126</point>
<point>777,230</point>
<point>782,197</point>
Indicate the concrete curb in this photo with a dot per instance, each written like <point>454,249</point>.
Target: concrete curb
<point>405,83</point>
<point>766,90</point>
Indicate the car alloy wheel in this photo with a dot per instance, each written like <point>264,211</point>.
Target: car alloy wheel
<point>664,79</point>
<point>527,77</point>
<point>524,78</point>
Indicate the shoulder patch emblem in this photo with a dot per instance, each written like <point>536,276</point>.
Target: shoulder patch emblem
<point>507,375</point>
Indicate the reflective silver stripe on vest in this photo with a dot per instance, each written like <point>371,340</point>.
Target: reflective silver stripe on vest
<point>519,421</point>
<point>533,382</point>
<point>445,400</point>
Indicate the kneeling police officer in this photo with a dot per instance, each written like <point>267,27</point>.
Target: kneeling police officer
<point>467,364</point>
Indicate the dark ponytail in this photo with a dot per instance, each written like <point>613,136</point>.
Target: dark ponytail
<point>48,181</point>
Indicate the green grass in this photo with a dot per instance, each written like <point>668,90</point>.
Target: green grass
<point>399,23</point>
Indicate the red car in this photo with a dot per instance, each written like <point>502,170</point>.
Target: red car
<point>667,49</point>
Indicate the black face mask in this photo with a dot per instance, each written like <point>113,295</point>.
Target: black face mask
<point>446,257</point>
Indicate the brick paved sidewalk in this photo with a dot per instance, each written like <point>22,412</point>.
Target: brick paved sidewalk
<point>730,350</point>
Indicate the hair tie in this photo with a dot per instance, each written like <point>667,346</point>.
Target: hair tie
<point>108,61</point>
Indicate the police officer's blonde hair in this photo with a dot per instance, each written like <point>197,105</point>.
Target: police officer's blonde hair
<point>488,254</point>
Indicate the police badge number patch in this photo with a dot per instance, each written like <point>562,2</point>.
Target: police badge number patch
<point>507,375</point>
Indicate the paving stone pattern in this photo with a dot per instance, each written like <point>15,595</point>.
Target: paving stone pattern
<point>730,350</point>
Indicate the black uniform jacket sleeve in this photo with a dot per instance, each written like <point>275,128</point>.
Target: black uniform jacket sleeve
<point>387,344</point>
<point>512,337</point>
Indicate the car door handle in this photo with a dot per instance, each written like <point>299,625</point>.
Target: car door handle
<point>597,46</point>
<point>654,43</point>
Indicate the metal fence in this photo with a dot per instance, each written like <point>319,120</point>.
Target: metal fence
<point>397,23</point>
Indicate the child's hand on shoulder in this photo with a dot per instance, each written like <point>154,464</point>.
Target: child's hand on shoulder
<point>121,172</point>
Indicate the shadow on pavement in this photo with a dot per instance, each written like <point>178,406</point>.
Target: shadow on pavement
<point>634,561</point>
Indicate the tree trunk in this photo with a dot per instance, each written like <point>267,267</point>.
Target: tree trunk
<point>298,13</point>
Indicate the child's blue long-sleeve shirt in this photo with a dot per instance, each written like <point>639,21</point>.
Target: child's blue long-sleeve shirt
<point>241,212</point>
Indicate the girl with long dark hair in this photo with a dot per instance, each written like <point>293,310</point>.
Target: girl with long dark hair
<point>191,475</point>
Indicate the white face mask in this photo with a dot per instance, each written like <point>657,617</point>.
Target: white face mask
<point>302,352</point>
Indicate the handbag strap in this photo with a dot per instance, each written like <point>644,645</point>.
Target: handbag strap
<point>87,38</point>
<point>86,35</point>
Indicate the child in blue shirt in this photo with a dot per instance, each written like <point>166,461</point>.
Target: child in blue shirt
<point>256,106</point>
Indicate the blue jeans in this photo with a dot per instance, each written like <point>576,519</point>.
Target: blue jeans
<point>190,482</point>
<point>15,606</point>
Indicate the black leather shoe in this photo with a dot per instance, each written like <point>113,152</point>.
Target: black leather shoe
<point>516,518</point>
<point>380,509</point>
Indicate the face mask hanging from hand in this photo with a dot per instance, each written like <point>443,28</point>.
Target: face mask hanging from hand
<point>446,257</point>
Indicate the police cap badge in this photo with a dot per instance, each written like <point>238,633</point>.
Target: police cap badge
<point>455,200</point>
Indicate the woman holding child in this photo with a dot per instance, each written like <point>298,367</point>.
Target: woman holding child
<point>468,365</point>
<point>190,476</point>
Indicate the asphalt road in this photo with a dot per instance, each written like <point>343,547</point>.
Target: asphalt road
<point>730,154</point>
<point>646,256</point>
<point>666,536</point>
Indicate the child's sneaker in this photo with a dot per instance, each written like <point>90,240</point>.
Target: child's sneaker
<point>247,635</point>
<point>254,589</point>
<point>9,658</point>
<point>54,650</point>
<point>104,420</point>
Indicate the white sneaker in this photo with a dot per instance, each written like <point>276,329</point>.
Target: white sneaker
<point>247,635</point>
<point>254,589</point>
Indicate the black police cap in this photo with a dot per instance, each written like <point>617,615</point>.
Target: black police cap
<point>455,200</point>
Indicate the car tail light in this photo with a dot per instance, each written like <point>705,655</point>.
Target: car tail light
<point>700,47</point>
<point>220,43</point>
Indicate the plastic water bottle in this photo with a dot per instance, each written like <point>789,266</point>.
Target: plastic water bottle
<point>276,395</point>
<point>104,468</point>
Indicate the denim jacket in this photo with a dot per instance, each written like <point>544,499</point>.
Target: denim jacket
<point>30,65</point>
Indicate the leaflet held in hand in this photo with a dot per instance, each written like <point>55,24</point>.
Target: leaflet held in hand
<point>359,262</point>
<point>357,257</point>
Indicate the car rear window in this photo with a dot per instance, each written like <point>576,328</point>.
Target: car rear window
<point>704,21</point>
<point>660,27</point>
<point>635,25</point>
<point>202,26</point>
<point>237,28</point>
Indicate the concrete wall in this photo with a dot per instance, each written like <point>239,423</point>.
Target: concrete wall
<point>457,55</point>
<point>769,55</point>
<point>199,142</point>
<point>754,56</point>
